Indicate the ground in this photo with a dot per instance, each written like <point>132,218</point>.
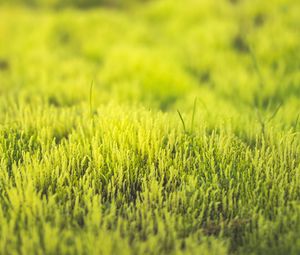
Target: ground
<point>162,127</point>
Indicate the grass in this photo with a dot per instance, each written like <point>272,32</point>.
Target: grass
<point>185,142</point>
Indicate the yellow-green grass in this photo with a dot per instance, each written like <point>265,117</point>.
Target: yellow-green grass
<point>166,127</point>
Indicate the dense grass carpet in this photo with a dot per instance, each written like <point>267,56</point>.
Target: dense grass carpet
<point>150,127</point>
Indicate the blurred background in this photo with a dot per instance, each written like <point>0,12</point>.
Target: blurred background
<point>73,3</point>
<point>233,55</point>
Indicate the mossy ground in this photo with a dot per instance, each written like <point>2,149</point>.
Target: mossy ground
<point>94,157</point>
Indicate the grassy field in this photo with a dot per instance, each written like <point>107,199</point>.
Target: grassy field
<point>161,127</point>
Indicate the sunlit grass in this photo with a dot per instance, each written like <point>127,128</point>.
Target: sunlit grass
<point>161,128</point>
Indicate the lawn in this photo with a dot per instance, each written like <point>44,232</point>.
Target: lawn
<point>150,127</point>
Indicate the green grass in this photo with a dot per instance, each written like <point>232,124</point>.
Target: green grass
<point>161,128</point>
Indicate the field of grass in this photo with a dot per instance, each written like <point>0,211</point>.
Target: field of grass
<point>160,127</point>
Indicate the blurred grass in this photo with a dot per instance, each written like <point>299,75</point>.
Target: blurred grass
<point>71,3</point>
